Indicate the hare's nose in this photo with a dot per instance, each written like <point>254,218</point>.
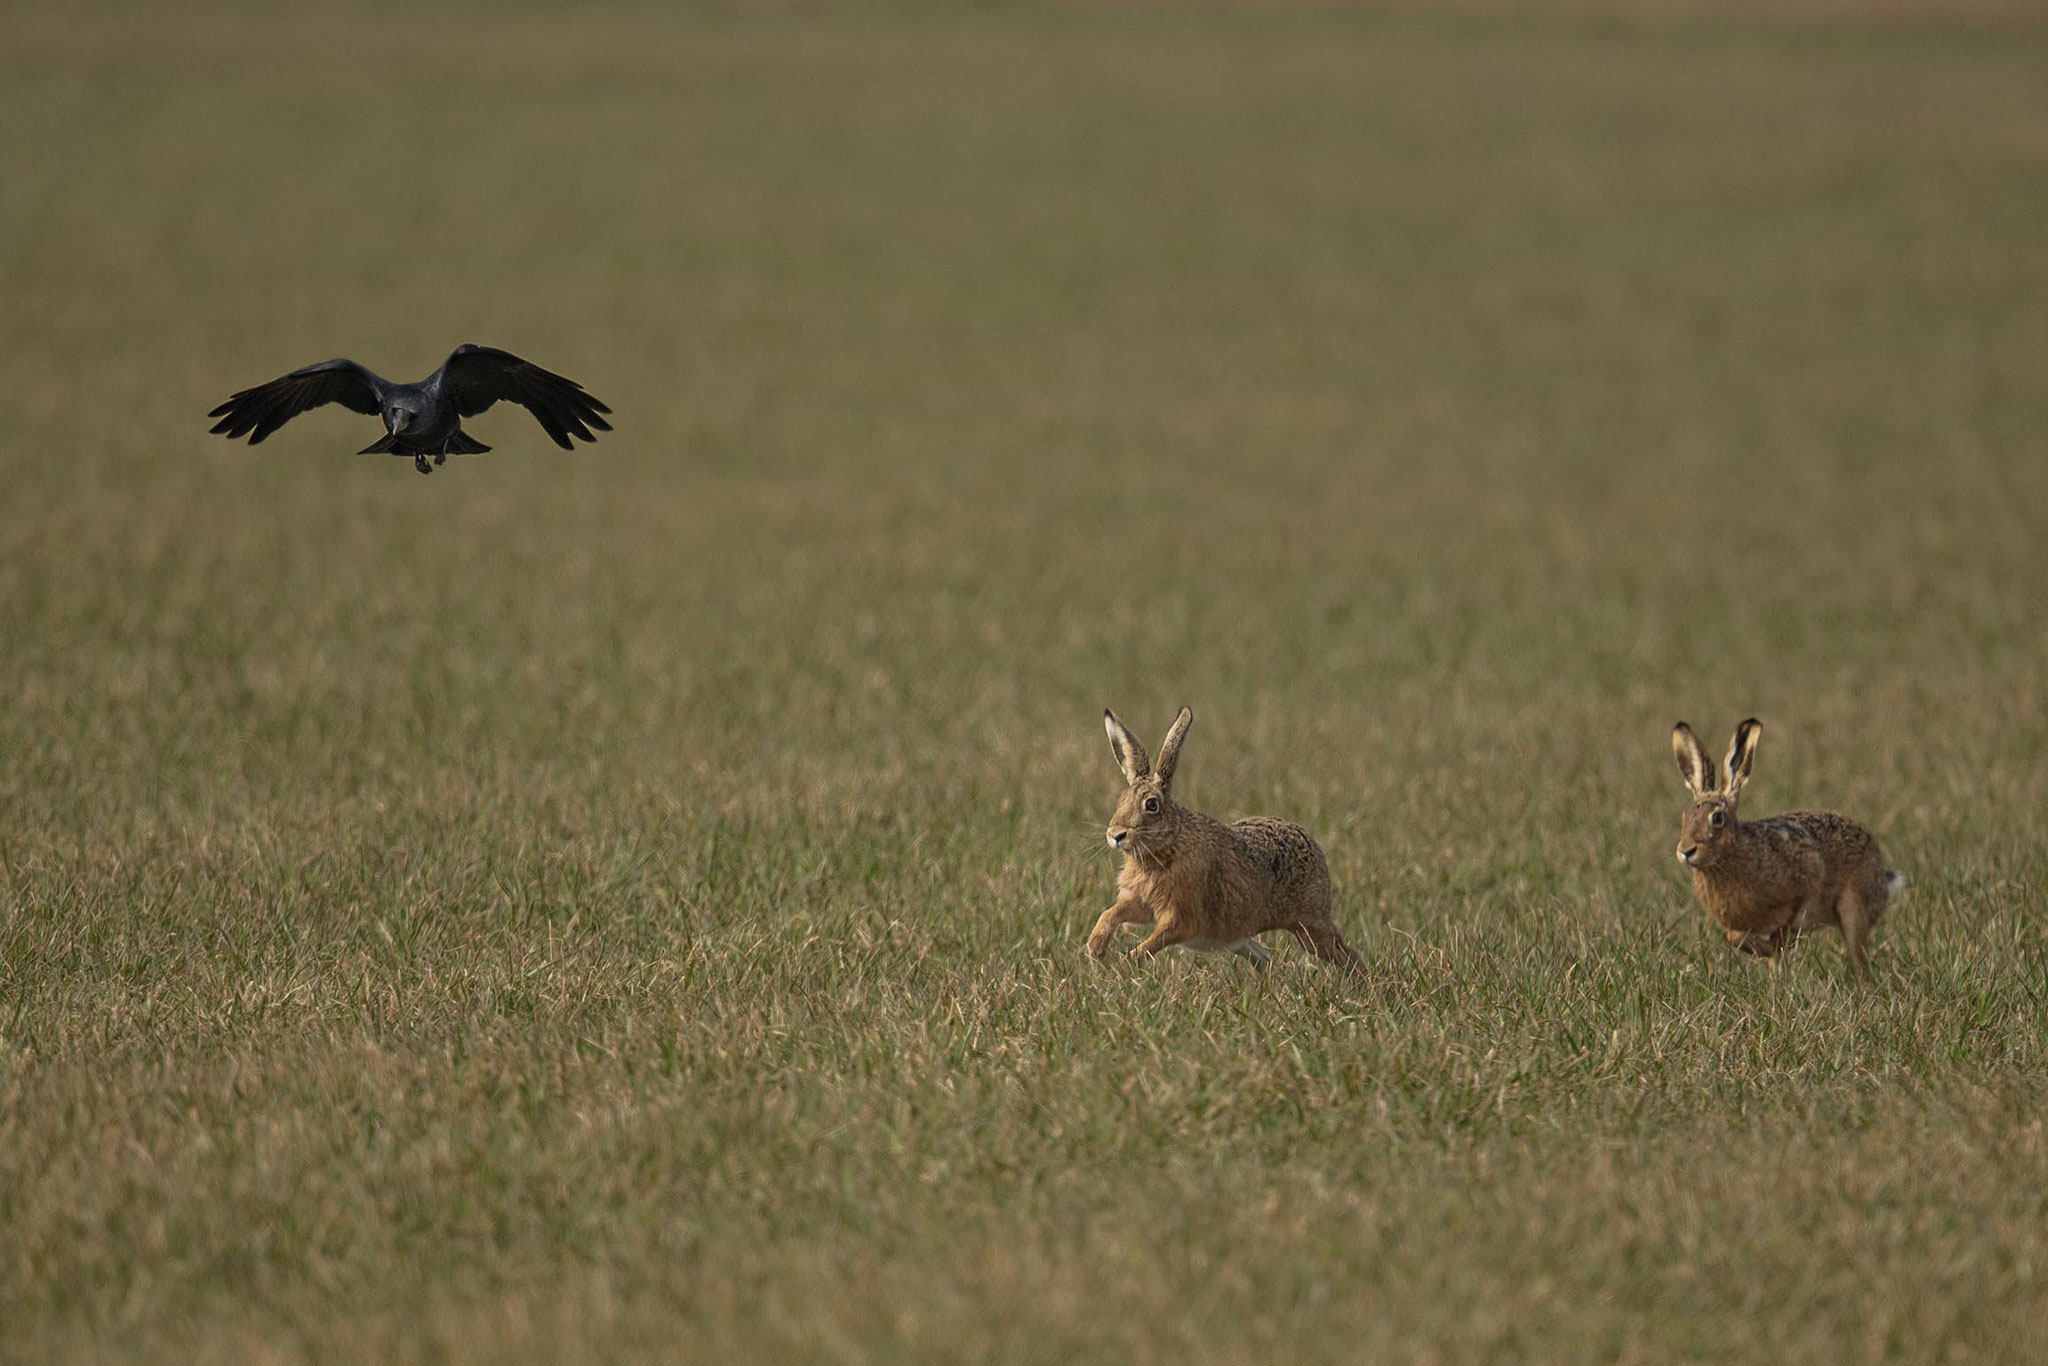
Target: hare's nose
<point>1116,838</point>
<point>1685,855</point>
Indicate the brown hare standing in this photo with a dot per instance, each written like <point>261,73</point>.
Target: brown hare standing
<point>1769,881</point>
<point>1199,882</point>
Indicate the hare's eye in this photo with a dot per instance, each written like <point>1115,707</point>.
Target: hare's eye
<point>1717,818</point>
<point>1151,803</point>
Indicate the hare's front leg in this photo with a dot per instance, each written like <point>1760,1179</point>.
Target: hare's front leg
<point>1785,927</point>
<point>1129,910</point>
<point>1855,918</point>
<point>1759,943</point>
<point>1164,935</point>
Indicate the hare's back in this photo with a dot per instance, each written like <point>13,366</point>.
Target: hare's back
<point>1841,843</point>
<point>1288,852</point>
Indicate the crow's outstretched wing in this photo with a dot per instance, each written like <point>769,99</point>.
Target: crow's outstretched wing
<point>478,376</point>
<point>262,410</point>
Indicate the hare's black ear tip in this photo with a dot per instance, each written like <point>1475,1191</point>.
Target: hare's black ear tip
<point>1751,724</point>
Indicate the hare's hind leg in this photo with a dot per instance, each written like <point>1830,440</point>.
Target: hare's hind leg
<point>1321,939</point>
<point>1254,950</point>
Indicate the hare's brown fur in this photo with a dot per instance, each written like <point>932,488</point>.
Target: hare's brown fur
<point>1769,881</point>
<point>1202,883</point>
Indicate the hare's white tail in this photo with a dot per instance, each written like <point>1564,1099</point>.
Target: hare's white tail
<point>1894,882</point>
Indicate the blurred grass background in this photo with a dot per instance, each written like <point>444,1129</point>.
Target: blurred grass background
<point>630,903</point>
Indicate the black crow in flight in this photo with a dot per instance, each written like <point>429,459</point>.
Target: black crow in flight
<point>423,419</point>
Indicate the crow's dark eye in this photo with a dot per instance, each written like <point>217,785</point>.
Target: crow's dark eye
<point>1151,803</point>
<point>1717,818</point>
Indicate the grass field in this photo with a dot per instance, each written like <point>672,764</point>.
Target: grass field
<point>630,903</point>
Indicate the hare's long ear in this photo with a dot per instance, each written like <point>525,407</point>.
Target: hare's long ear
<point>1693,764</point>
<point>1130,755</point>
<point>1169,748</point>
<point>1742,755</point>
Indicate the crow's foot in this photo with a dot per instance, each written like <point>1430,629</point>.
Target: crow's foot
<point>440,457</point>
<point>419,462</point>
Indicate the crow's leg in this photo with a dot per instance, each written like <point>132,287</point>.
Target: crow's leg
<point>419,462</point>
<point>441,456</point>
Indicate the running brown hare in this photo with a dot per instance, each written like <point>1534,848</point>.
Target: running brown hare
<point>1769,881</point>
<point>1203,884</point>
